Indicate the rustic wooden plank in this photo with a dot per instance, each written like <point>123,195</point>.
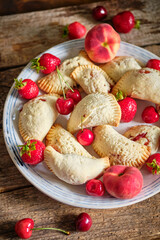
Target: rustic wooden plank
<point>30,34</point>
<point>139,221</point>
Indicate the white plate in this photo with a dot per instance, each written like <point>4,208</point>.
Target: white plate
<point>39,175</point>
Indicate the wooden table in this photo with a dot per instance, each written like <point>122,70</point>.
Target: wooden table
<point>22,37</point>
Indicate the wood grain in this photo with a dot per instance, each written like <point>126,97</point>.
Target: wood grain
<point>30,34</point>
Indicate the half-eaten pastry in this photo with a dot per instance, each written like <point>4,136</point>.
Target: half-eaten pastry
<point>73,168</point>
<point>119,149</point>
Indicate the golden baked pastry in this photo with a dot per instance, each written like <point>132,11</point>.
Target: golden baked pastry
<point>119,66</point>
<point>92,79</point>
<point>37,117</point>
<point>142,84</point>
<point>73,168</point>
<point>146,135</point>
<point>51,83</point>
<point>64,142</point>
<point>119,149</point>
<point>93,110</point>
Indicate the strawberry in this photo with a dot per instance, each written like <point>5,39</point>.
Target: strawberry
<point>32,152</point>
<point>150,115</point>
<point>74,30</point>
<point>26,88</point>
<point>47,63</point>
<point>153,163</point>
<point>123,22</point>
<point>128,107</point>
<point>154,63</point>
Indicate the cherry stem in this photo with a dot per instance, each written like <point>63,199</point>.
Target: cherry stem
<point>59,75</point>
<point>56,229</point>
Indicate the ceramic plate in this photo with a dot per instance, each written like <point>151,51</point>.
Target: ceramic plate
<point>39,175</point>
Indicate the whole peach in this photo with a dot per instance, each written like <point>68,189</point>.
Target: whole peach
<point>122,181</point>
<point>102,43</point>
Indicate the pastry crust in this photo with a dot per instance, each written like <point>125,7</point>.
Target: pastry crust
<point>147,135</point>
<point>119,66</point>
<point>51,83</point>
<point>73,168</point>
<point>92,79</point>
<point>93,110</point>
<point>119,149</point>
<point>140,84</point>
<point>64,142</point>
<point>37,117</point>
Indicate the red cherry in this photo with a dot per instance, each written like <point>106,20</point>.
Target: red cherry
<point>123,22</point>
<point>64,106</point>
<point>95,187</point>
<point>150,115</point>
<point>85,137</point>
<point>154,63</point>
<point>99,13</point>
<point>23,228</point>
<point>75,95</point>
<point>83,222</point>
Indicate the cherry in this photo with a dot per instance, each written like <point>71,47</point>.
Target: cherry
<point>150,115</point>
<point>95,187</point>
<point>64,106</point>
<point>99,13</point>
<point>154,63</point>
<point>24,228</point>
<point>85,137</point>
<point>74,94</point>
<point>83,222</point>
<point>123,22</point>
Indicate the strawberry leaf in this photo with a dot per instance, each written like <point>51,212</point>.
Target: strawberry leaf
<point>137,24</point>
<point>155,167</point>
<point>120,95</point>
<point>36,65</point>
<point>27,148</point>
<point>19,84</point>
<point>65,31</point>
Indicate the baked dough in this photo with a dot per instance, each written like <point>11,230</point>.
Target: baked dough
<point>119,66</point>
<point>64,142</point>
<point>146,135</point>
<point>37,117</point>
<point>92,79</point>
<point>93,110</point>
<point>142,84</point>
<point>73,168</point>
<point>119,149</point>
<point>51,83</point>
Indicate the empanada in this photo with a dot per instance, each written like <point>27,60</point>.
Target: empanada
<point>92,79</point>
<point>146,135</point>
<point>119,149</point>
<point>64,142</point>
<point>37,117</point>
<point>120,65</point>
<point>73,168</point>
<point>142,84</point>
<point>93,110</point>
<point>51,83</point>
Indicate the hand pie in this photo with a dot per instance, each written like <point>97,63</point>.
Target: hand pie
<point>64,142</point>
<point>73,168</point>
<point>51,83</point>
<point>37,117</point>
<point>119,66</point>
<point>146,135</point>
<point>92,79</point>
<point>119,149</point>
<point>142,84</point>
<point>95,109</point>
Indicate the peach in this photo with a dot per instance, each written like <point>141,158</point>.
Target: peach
<point>122,181</point>
<point>102,43</point>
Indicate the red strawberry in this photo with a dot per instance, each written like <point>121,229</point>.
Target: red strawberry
<point>27,88</point>
<point>47,63</point>
<point>124,22</point>
<point>153,163</point>
<point>150,115</point>
<point>32,152</point>
<point>128,107</point>
<point>74,30</point>
<point>154,63</point>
